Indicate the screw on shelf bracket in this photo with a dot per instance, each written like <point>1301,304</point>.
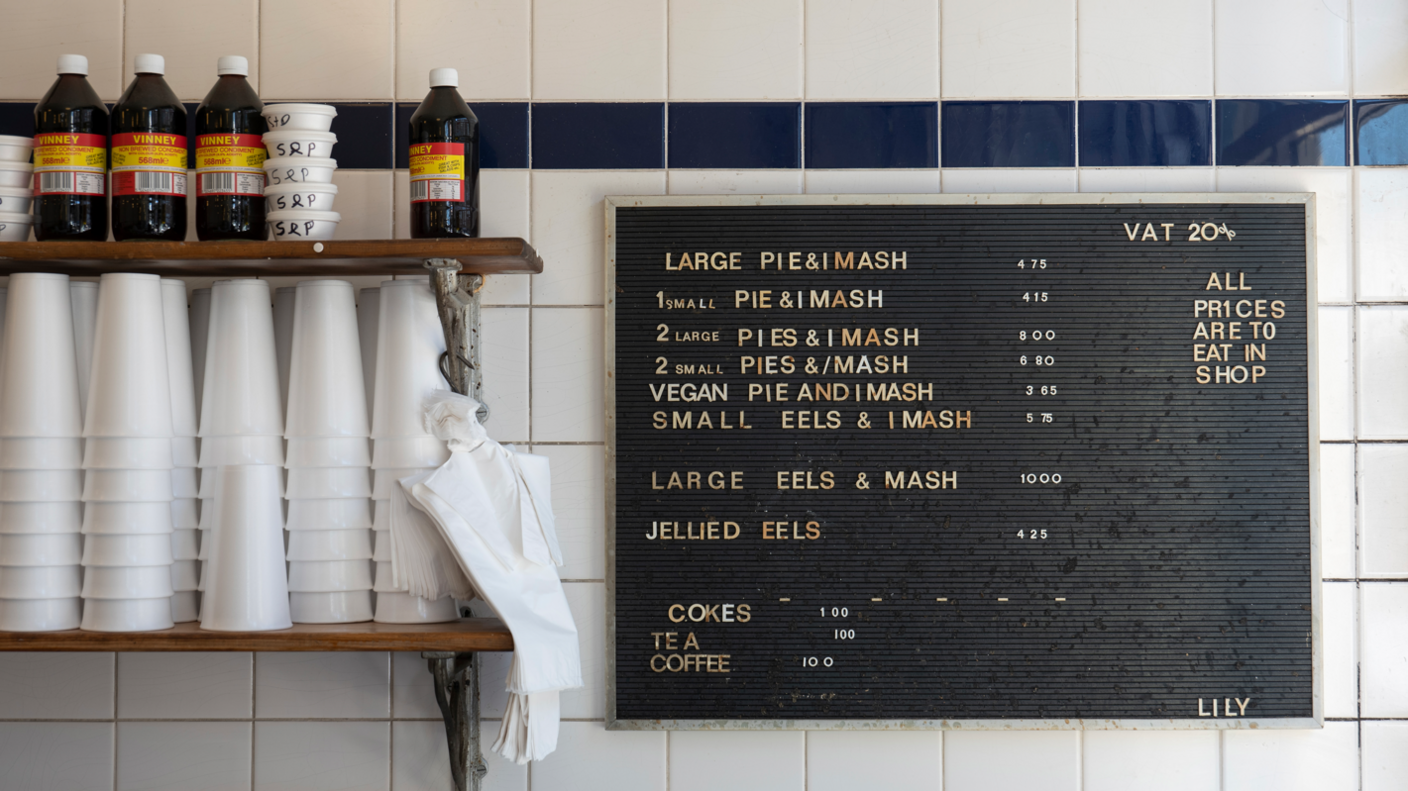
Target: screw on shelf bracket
<point>457,298</point>
<point>457,691</point>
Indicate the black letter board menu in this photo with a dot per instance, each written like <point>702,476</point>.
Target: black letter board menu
<point>962,461</point>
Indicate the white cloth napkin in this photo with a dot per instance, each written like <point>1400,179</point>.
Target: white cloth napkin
<point>492,509</point>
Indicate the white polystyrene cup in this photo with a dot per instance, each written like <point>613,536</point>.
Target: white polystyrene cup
<point>246,587</point>
<point>127,582</point>
<point>394,452</point>
<point>40,486</point>
<point>184,485</point>
<point>321,576</point>
<point>209,479</point>
<point>185,513</point>
<point>128,453</point>
<point>129,389</point>
<point>316,117</point>
<point>185,606</point>
<point>401,607</point>
<point>185,575</point>
<point>385,479</point>
<point>381,518</point>
<point>238,450</point>
<point>185,452</point>
<point>283,339</point>
<point>176,321</point>
<point>42,549</point>
<point>126,518</point>
<point>127,486</point>
<point>38,364</point>
<point>326,544</point>
<point>331,606</point>
<point>200,333</point>
<point>34,518</point>
<point>83,297</point>
<point>41,582</point>
<point>382,582</point>
<point>409,344</point>
<point>329,514</point>
<point>185,544</point>
<point>207,507</point>
<point>324,452</point>
<point>241,391</point>
<point>127,615</point>
<point>152,549</point>
<point>381,553</point>
<point>368,310</point>
<point>40,453</point>
<point>323,483</point>
<point>40,615</point>
<point>325,399</point>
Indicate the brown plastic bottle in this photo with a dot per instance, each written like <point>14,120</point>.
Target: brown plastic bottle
<point>149,158</point>
<point>444,158</point>
<point>71,158</point>
<point>230,157</point>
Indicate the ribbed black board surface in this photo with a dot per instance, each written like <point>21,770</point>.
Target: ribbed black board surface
<point>1178,536</point>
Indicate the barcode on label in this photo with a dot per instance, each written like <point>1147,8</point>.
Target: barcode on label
<point>56,182</point>
<point>437,190</point>
<point>217,182</point>
<point>148,181</point>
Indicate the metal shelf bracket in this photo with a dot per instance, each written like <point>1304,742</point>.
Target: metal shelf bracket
<point>457,674</point>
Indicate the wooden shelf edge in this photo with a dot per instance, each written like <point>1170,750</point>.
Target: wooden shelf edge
<point>505,255</point>
<point>464,635</point>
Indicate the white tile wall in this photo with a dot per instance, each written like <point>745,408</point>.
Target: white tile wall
<point>891,49</point>
<point>714,57</point>
<point>1282,47</point>
<point>1008,48</point>
<point>174,30</point>
<point>1121,55</point>
<point>368,721</point>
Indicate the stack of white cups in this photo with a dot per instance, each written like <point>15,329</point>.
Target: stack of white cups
<point>185,545</point>
<point>300,193</point>
<point>16,188</point>
<point>40,456</point>
<point>127,457</point>
<point>409,344</point>
<point>329,482</point>
<point>241,420</point>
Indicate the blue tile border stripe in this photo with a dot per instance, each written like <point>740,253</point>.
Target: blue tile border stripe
<point>1009,134</point>
<point>885,135</point>
<point>735,135</point>
<point>871,134</point>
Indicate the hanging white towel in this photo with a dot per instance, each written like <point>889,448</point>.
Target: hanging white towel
<point>492,508</point>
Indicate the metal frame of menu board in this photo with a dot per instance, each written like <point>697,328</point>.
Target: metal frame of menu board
<point>1144,207</point>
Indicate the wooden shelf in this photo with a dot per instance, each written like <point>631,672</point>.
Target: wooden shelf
<point>464,635</point>
<point>332,258</point>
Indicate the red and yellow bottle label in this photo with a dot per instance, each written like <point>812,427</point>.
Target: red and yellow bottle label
<point>70,163</point>
<point>148,163</point>
<point>437,172</point>
<point>230,164</point>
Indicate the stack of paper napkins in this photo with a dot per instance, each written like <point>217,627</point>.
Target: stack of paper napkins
<point>485,518</point>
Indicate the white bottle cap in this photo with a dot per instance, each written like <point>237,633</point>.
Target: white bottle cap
<point>149,64</point>
<point>73,64</point>
<point>232,64</point>
<point>444,78</point>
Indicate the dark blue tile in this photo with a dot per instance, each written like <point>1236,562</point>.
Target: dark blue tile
<point>17,118</point>
<point>1145,133</point>
<point>872,135</point>
<point>363,135</point>
<point>591,135</point>
<point>1009,134</point>
<point>503,133</point>
<point>1381,132</point>
<point>1282,132</point>
<point>736,135</point>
